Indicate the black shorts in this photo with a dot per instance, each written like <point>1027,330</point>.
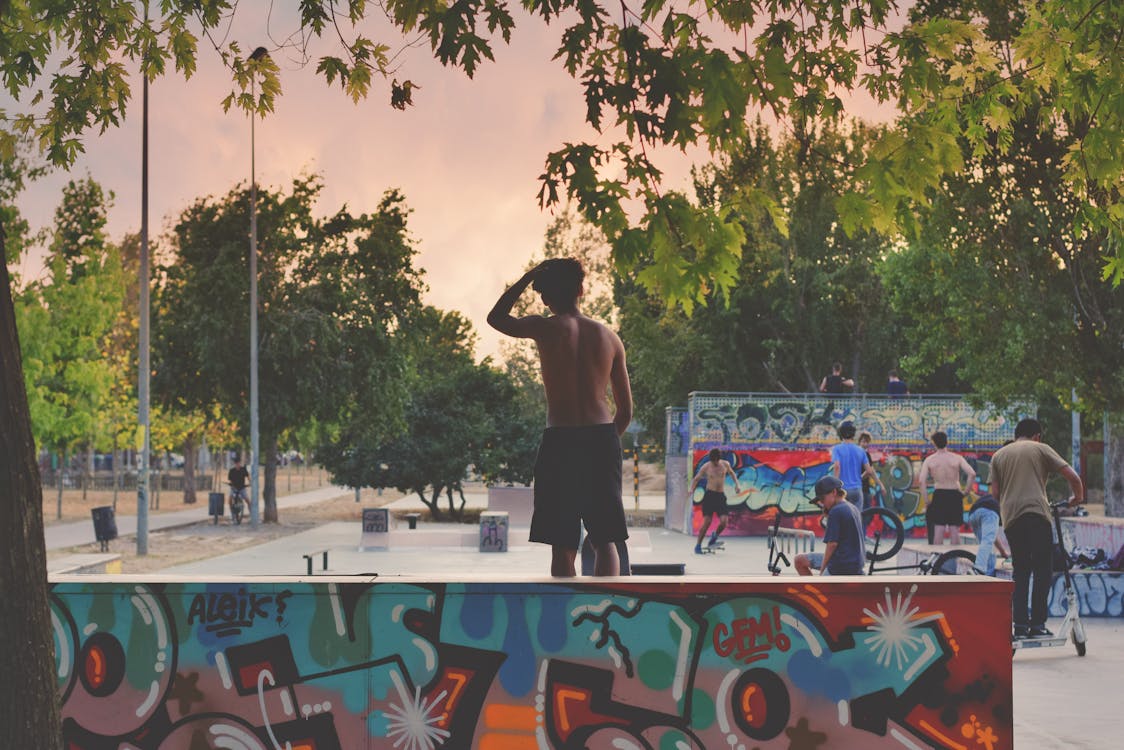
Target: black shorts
<point>946,508</point>
<point>578,480</point>
<point>714,502</point>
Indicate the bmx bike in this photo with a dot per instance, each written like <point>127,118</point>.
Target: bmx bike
<point>884,535</point>
<point>237,503</point>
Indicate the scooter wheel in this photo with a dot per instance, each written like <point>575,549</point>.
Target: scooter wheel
<point>1080,646</point>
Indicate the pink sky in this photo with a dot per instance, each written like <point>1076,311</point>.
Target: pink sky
<point>467,157</point>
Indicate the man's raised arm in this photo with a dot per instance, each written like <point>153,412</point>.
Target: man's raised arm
<point>501,318</point>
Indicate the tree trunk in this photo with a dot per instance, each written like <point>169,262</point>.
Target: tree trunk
<point>29,699</point>
<point>269,489</point>
<point>189,469</point>
<point>434,508</point>
<point>1114,466</point>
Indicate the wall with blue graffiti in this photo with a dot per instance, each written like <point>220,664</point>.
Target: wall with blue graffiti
<point>762,663</point>
<point>779,445</point>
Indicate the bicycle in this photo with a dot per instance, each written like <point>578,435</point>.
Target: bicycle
<point>237,503</point>
<point>885,524</point>
<point>880,525</point>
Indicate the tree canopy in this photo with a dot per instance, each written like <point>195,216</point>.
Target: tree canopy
<point>660,74</point>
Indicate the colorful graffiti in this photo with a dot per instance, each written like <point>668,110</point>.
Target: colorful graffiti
<point>772,420</point>
<point>258,665</point>
<point>780,445</point>
<point>785,480</point>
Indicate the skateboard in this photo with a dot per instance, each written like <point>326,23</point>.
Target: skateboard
<point>712,549</point>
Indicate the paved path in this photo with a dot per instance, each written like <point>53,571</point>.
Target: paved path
<point>74,533</point>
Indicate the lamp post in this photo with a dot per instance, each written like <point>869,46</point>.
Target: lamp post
<point>255,516</point>
<point>143,368</point>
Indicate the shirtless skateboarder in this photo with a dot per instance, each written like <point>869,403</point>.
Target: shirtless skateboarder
<point>578,469</point>
<point>713,472</point>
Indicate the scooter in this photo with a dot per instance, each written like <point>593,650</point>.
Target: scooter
<point>1071,627</point>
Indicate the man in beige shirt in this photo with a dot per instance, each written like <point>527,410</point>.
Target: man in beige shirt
<point>1019,471</point>
<point>946,513</point>
<point>578,469</point>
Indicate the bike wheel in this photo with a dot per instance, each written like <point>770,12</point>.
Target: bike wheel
<point>948,563</point>
<point>884,533</point>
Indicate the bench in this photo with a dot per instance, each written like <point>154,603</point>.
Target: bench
<point>308,559</point>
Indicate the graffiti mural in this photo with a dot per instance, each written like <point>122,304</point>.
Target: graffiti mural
<point>785,480</point>
<point>259,665</point>
<point>779,445</point>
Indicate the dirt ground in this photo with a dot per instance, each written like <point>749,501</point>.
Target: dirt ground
<point>185,544</point>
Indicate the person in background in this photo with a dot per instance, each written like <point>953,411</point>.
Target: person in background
<point>946,513</point>
<point>843,553</point>
<point>835,382</point>
<point>1018,478</point>
<point>872,483</point>
<point>895,386</point>
<point>849,464</point>
<point>984,519</point>
<point>714,472</point>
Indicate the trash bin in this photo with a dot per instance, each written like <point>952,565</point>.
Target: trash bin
<point>215,505</point>
<point>105,525</point>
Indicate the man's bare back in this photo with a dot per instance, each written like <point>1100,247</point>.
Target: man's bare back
<point>945,468</point>
<point>581,359</point>
<point>715,474</point>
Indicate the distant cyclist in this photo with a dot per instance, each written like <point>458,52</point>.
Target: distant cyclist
<point>238,478</point>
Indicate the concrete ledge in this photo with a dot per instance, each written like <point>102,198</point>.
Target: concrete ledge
<point>94,563</point>
<point>625,662</point>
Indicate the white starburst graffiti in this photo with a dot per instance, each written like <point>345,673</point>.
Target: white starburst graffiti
<point>411,724</point>
<point>895,626</point>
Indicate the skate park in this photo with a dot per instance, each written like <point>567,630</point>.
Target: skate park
<point>274,655</point>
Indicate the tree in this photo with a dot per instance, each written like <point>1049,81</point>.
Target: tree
<point>67,321</point>
<point>802,297</point>
<point>331,293</point>
<point>457,414</point>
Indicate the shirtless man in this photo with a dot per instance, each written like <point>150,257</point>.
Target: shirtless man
<point>946,514</point>
<point>714,472</point>
<point>578,469</point>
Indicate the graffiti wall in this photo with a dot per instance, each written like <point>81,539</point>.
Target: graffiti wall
<point>765,663</point>
<point>784,480</point>
<point>779,445</point>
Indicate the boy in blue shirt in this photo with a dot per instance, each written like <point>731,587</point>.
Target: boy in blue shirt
<point>843,553</point>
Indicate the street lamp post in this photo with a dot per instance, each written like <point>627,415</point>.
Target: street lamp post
<point>255,514</point>
<point>143,367</point>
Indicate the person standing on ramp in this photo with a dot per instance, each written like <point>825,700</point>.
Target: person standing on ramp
<point>578,469</point>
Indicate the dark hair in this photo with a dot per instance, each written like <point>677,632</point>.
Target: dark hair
<point>1027,428</point>
<point>864,435</point>
<point>893,373</point>
<point>837,367</point>
<point>559,281</point>
<point>715,455</point>
<point>939,439</point>
<point>847,430</point>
